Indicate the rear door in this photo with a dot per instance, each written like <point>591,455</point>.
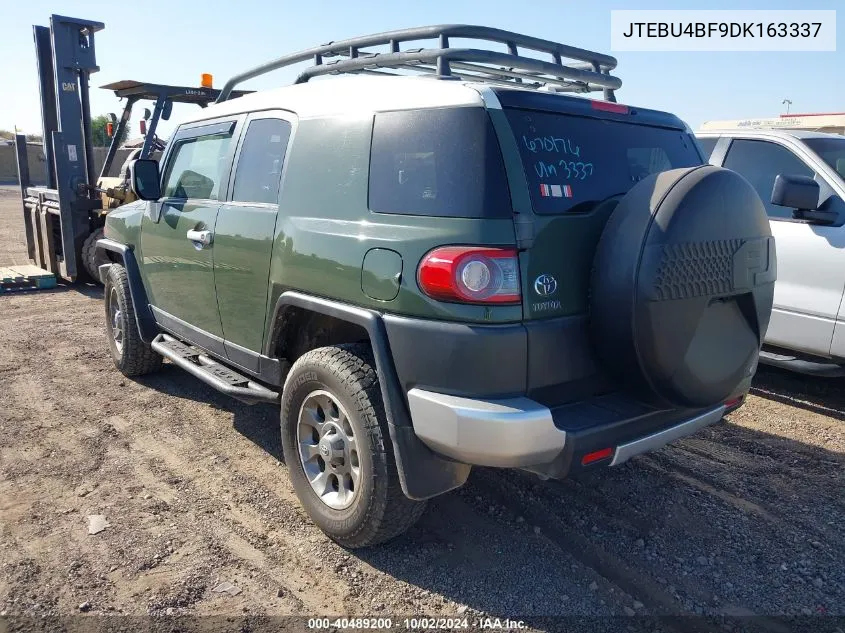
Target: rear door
<point>243,236</point>
<point>177,234</point>
<point>577,166</point>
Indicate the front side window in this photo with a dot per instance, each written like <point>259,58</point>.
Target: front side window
<point>197,167</point>
<point>259,170</point>
<point>760,162</point>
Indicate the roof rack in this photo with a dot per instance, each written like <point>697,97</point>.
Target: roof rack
<point>584,71</point>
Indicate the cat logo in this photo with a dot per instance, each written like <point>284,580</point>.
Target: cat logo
<point>68,86</point>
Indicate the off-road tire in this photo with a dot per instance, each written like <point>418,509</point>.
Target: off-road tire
<point>93,257</point>
<point>380,510</point>
<point>133,357</point>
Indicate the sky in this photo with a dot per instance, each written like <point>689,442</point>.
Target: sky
<point>173,42</point>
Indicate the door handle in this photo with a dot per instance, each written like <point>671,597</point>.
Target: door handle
<point>200,238</point>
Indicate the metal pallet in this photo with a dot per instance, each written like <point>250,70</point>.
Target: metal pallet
<point>568,69</point>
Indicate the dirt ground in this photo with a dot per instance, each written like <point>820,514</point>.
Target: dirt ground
<point>745,518</point>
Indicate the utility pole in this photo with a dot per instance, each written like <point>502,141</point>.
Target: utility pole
<point>788,103</point>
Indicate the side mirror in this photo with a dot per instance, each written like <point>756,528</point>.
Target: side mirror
<point>144,178</point>
<point>796,192</point>
<point>801,193</point>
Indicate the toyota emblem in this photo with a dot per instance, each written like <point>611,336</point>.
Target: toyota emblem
<point>545,285</point>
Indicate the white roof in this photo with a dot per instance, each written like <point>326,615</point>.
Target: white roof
<point>349,95</point>
<point>799,134</point>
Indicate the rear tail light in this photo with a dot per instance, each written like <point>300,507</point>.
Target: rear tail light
<point>471,274</point>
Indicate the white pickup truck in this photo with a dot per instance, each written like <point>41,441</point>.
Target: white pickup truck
<point>800,176</point>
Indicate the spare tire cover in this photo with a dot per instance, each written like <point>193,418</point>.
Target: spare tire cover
<point>682,286</point>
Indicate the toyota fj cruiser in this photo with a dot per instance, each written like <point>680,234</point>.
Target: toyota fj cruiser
<point>435,273</point>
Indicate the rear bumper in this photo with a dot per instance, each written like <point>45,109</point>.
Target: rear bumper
<point>651,442</point>
<point>521,433</point>
<point>511,432</point>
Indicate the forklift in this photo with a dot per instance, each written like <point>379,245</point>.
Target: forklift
<point>64,219</point>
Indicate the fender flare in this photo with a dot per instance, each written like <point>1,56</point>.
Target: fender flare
<point>422,472</point>
<point>147,328</point>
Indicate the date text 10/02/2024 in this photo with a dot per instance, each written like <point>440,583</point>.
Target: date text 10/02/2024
<point>417,624</point>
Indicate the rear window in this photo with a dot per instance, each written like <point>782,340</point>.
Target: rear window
<point>572,163</point>
<point>440,162</point>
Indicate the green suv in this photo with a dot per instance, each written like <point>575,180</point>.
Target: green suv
<point>431,273</point>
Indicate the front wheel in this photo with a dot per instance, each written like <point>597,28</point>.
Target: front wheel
<point>130,354</point>
<point>336,445</point>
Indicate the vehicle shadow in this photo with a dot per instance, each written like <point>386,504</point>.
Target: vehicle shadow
<point>825,396</point>
<point>88,289</point>
<point>259,423</point>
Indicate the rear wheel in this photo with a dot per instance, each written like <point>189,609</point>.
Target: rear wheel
<point>336,446</point>
<point>93,257</point>
<point>130,354</point>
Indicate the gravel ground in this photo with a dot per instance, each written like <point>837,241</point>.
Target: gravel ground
<point>743,519</point>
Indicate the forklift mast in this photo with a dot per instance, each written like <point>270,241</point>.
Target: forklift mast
<point>61,218</point>
<point>57,217</point>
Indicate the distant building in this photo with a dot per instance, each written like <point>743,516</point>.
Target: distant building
<point>831,122</point>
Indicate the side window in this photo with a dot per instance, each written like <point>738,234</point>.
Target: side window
<point>707,146</point>
<point>440,162</point>
<point>759,162</point>
<point>262,154</point>
<point>197,167</point>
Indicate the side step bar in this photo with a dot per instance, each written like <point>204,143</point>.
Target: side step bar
<point>803,366</point>
<point>211,372</point>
